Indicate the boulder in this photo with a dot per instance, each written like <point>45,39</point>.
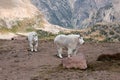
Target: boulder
<point>76,61</point>
<point>108,57</point>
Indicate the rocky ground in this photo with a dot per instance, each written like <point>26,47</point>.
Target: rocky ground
<point>18,63</point>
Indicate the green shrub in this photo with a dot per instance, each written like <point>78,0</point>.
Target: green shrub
<point>111,33</point>
<point>115,36</point>
<point>108,40</point>
<point>29,29</point>
<point>45,35</point>
<point>4,30</point>
<point>92,29</point>
<point>119,38</point>
<point>103,32</point>
<point>88,39</point>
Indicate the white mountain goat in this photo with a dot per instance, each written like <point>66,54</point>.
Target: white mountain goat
<point>71,42</point>
<point>33,41</point>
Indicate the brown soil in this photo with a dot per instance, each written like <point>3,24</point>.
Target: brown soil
<point>18,63</point>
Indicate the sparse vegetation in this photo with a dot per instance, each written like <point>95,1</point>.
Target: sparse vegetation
<point>4,30</point>
<point>88,39</point>
<point>103,32</point>
<point>97,33</point>
<point>107,39</point>
<point>119,38</point>
<point>45,35</point>
<point>25,25</point>
<point>111,33</point>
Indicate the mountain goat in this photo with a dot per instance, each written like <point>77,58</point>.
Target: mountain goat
<point>33,41</point>
<point>71,42</point>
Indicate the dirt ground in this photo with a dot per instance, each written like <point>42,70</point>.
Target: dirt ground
<point>18,63</point>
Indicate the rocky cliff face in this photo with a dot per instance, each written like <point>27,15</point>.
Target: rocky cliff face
<point>79,13</point>
<point>67,13</point>
<point>56,11</point>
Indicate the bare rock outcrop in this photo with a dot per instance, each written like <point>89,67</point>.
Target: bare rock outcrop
<point>76,61</point>
<point>109,57</point>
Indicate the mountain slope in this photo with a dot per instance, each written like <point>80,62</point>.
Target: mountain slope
<point>12,9</point>
<point>79,13</point>
<point>23,15</point>
<point>55,11</point>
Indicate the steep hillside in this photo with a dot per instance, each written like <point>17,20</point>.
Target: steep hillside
<point>12,9</point>
<point>79,13</point>
<point>103,32</point>
<point>22,15</point>
<point>56,11</point>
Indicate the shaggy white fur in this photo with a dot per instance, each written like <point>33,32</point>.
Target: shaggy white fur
<point>72,42</point>
<point>33,41</point>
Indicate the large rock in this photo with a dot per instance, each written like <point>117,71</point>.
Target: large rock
<point>108,57</point>
<point>76,61</point>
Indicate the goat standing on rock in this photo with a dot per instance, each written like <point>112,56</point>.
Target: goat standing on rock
<point>71,42</point>
<point>33,41</point>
